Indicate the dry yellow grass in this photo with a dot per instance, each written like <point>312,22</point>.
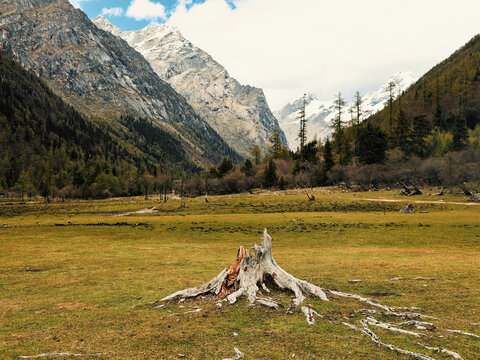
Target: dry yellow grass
<point>86,288</point>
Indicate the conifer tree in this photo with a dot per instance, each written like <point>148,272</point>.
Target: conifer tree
<point>372,144</point>
<point>247,168</point>
<point>328,155</point>
<point>402,133</point>
<point>460,132</point>
<point>357,105</point>
<point>270,174</point>
<point>256,153</point>
<point>421,129</point>
<point>391,97</point>
<point>302,134</point>
<point>337,123</point>
<point>277,146</point>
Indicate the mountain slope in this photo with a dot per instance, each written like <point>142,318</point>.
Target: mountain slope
<point>321,113</point>
<point>98,73</point>
<point>449,89</point>
<point>240,114</point>
<point>45,142</point>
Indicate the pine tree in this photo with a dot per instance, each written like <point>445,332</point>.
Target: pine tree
<point>328,155</point>
<point>270,174</point>
<point>403,132</point>
<point>460,132</point>
<point>391,97</point>
<point>277,146</point>
<point>337,123</point>
<point>247,168</point>
<point>256,153</point>
<point>225,166</point>
<point>302,116</point>
<point>357,105</point>
<point>421,129</point>
<point>372,144</point>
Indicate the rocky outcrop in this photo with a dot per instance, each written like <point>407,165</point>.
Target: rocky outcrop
<point>240,114</point>
<point>98,73</point>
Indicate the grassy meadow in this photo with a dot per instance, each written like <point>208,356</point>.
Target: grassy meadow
<point>74,278</point>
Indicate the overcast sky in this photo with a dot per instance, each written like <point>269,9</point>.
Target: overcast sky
<point>288,47</point>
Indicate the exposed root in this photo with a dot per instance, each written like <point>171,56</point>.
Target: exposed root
<point>393,312</point>
<point>420,325</point>
<point>238,355</point>
<point>443,351</point>
<point>377,341</point>
<point>310,314</point>
<point>463,333</point>
<point>214,286</point>
<point>267,302</point>
<point>390,327</point>
<point>360,298</point>
<point>192,311</point>
<point>424,278</point>
<point>59,354</point>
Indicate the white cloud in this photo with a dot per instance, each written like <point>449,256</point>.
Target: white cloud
<point>146,10</point>
<point>323,47</point>
<point>76,3</point>
<point>116,11</point>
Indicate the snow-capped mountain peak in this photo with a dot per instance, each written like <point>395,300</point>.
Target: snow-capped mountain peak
<point>106,25</point>
<point>240,114</point>
<point>321,113</point>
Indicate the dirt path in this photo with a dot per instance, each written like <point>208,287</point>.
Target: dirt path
<point>141,211</point>
<point>417,201</point>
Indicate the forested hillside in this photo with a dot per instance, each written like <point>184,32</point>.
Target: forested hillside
<point>47,147</point>
<point>442,105</point>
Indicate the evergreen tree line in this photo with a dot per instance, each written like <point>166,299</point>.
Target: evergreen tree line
<point>402,149</point>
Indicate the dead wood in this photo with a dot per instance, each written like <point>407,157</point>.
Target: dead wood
<point>310,197</point>
<point>59,354</point>
<point>408,209</point>
<point>238,355</point>
<point>248,274</point>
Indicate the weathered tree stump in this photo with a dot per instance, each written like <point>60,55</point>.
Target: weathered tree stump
<point>409,209</point>
<point>251,273</point>
<point>474,198</point>
<point>410,191</point>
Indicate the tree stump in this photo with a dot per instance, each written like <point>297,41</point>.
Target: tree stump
<point>474,198</point>
<point>250,273</point>
<point>409,209</point>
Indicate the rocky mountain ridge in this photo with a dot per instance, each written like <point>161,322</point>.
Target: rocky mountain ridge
<point>98,73</point>
<point>240,114</point>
